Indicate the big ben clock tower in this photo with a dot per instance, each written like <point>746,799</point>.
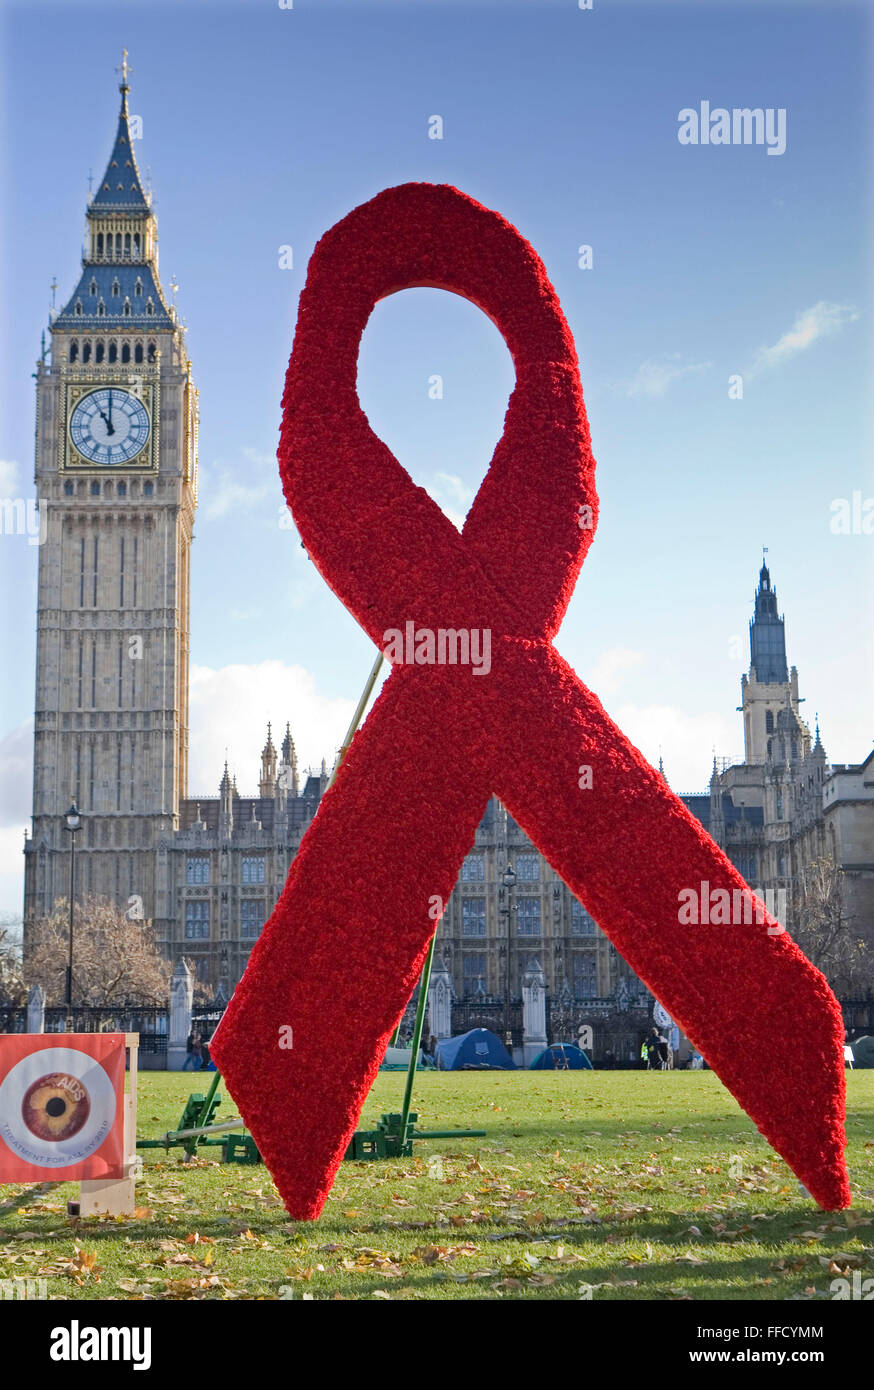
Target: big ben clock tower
<point>116,477</point>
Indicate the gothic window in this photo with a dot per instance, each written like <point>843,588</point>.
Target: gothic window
<point>585,977</point>
<point>100,243</point>
<point>92,288</point>
<point>101,309</point>
<point>581,923</point>
<point>253,868</point>
<point>138,287</point>
<point>118,244</point>
<point>77,308</point>
<point>137,245</point>
<point>150,308</point>
<point>473,869</point>
<point>86,352</point>
<point>127,244</point>
<point>126,308</point>
<point>116,288</point>
<point>197,869</point>
<point>528,916</point>
<point>95,489</point>
<point>113,352</point>
<point>769,747</point>
<point>138,352</point>
<point>745,865</point>
<point>781,865</point>
<point>779,806</point>
<point>769,722</point>
<point>68,489</point>
<point>150,354</point>
<point>251,918</point>
<point>125,352</point>
<point>148,489</point>
<point>473,917</point>
<point>528,868</point>
<point>99,352</point>
<point>74,352</point>
<point>196,921</point>
<point>473,974</point>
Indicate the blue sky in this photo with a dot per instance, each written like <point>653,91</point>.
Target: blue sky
<point>263,126</point>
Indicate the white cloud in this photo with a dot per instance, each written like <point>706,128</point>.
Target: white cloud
<point>229,710</point>
<point>8,478</point>
<point>16,775</point>
<point>612,668</point>
<point>823,320</point>
<point>11,872</point>
<point>452,495</point>
<point>686,740</point>
<point>226,490</point>
<point>654,377</point>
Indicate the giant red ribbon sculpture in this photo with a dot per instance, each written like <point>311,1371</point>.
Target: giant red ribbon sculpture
<point>341,953</point>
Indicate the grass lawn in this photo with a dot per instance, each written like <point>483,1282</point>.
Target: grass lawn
<point>611,1185</point>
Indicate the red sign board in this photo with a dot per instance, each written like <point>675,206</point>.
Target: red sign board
<point>61,1106</point>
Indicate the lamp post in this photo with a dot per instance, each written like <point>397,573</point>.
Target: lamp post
<point>508,879</point>
<point>73,822</point>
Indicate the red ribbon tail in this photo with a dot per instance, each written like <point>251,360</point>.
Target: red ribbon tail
<point>640,862</point>
<point>302,1039</point>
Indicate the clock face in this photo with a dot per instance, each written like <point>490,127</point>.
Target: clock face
<point>109,426</point>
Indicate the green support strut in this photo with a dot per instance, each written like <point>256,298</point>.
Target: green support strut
<point>417,1038</point>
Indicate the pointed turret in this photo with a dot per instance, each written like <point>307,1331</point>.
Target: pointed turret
<point>121,188</point>
<point>119,284</point>
<point>288,776</point>
<point>768,634</point>
<point>227,792</point>
<point>818,756</point>
<point>268,766</point>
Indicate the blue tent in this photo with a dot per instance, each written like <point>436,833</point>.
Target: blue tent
<point>473,1051</point>
<point>562,1057</point>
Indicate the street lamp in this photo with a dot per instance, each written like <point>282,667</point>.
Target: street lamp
<point>508,879</point>
<point>73,822</point>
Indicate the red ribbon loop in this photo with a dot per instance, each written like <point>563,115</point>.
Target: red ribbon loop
<point>342,951</point>
<point>336,470</point>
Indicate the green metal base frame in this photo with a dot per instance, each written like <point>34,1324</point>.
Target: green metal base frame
<point>389,1140</point>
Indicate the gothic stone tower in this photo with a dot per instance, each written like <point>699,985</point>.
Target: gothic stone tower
<point>116,468</point>
<point>770,688</point>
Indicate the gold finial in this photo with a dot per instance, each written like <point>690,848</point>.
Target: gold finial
<point>124,70</point>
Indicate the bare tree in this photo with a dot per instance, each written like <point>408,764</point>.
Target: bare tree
<point>825,930</point>
<point>12,989</point>
<point>115,959</point>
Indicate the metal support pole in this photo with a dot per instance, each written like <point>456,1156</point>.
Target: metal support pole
<point>204,1109</point>
<point>356,718</point>
<point>417,1038</point>
<point>70,939</point>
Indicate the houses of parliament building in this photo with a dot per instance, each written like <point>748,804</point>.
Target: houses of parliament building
<point>116,474</point>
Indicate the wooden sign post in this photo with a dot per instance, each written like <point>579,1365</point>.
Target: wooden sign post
<point>117,1196</point>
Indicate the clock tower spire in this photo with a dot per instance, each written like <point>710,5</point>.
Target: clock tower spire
<point>116,477</point>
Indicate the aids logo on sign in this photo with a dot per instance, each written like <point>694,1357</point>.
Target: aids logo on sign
<point>61,1106</point>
